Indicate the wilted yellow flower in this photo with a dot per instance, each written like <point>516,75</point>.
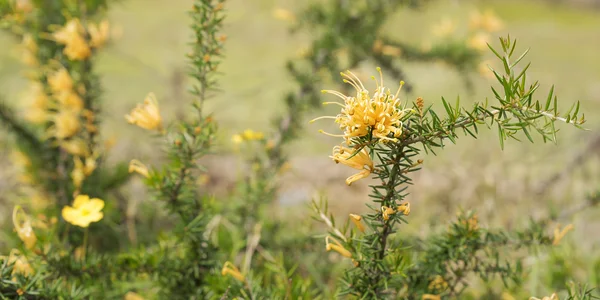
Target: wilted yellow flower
<point>404,208</point>
<point>361,161</point>
<point>487,21</point>
<point>66,124</point>
<point>22,224</point>
<point>60,81</point>
<point>76,147</point>
<point>444,28</point>
<point>230,269</point>
<point>559,234</point>
<point>99,33</point>
<point>72,30</point>
<point>284,15</point>
<point>84,211</point>
<point>336,246</point>
<point>146,115</point>
<point>77,48</point>
<point>378,116</point>
<point>479,41</point>
<point>356,220</point>
<point>138,167</point>
<point>132,296</point>
<point>386,212</point>
<point>554,296</point>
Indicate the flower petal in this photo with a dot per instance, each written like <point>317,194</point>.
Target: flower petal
<point>80,201</point>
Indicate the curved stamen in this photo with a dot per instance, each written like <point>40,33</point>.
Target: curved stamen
<point>329,134</point>
<point>322,117</point>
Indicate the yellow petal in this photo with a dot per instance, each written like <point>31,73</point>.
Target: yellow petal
<point>80,201</point>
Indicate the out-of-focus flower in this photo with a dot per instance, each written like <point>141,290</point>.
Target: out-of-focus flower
<point>72,29</point>
<point>146,115</point>
<point>233,271</point>
<point>60,81</point>
<point>70,100</point>
<point>250,135</point>
<point>30,50</point>
<point>138,167</point>
<point>132,296</point>
<point>356,220</point>
<point>487,21</point>
<point>66,124</point>
<point>20,264</point>
<point>438,283</point>
<point>404,208</point>
<point>479,41</point>
<point>76,147</point>
<point>361,161</point>
<point>391,51</point>
<point>431,297</point>
<point>37,101</point>
<point>22,224</point>
<point>336,246</point>
<point>84,211</point>
<point>77,49</point>
<point>284,15</point>
<point>237,139</point>
<point>560,234</point>
<point>99,33</point>
<point>444,28</point>
<point>23,6</point>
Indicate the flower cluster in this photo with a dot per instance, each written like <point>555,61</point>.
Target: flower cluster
<point>73,36</point>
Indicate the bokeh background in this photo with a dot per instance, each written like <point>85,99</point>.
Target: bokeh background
<point>506,187</point>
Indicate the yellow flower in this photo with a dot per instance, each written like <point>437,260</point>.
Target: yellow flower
<point>438,283</point>
<point>138,167</point>
<point>356,220</point>
<point>66,124</point>
<point>284,15</point>
<point>23,227</point>
<point>487,21</point>
<point>37,102</point>
<point>445,28</point>
<point>362,115</point>
<point>146,115</point>
<point>336,246</point>
<point>132,296</point>
<point>60,81</point>
<point>230,269</point>
<point>391,51</point>
<point>20,159</point>
<point>70,100</point>
<point>84,211</point>
<point>250,135</point>
<point>559,234</point>
<point>479,41</point>
<point>237,139</point>
<point>404,208</point>
<point>20,264</point>
<point>361,161</point>
<point>72,30</point>
<point>77,49</point>
<point>23,6</point>
<point>554,296</point>
<point>99,33</point>
<point>386,212</point>
<point>76,147</point>
<point>431,297</point>
<point>30,49</point>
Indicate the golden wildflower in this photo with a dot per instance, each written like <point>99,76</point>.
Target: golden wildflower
<point>356,220</point>
<point>251,135</point>
<point>146,115</point>
<point>444,28</point>
<point>84,211</point>
<point>66,124</point>
<point>20,264</point>
<point>431,297</point>
<point>230,269</point>
<point>77,48</point>
<point>336,246</point>
<point>362,115</point>
<point>70,100</point>
<point>438,283</point>
<point>67,33</point>
<point>361,161</point>
<point>479,41</point>
<point>487,21</point>
<point>284,15</point>
<point>559,234</point>
<point>22,224</point>
<point>554,296</point>
<point>404,208</point>
<point>386,212</point>
<point>138,167</point>
<point>99,33</point>
<point>60,81</point>
<point>76,146</point>
<point>132,296</point>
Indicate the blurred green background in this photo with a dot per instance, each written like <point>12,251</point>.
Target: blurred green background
<point>506,187</point>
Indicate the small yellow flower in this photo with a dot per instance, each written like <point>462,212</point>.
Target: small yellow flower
<point>23,227</point>
<point>386,212</point>
<point>356,220</point>
<point>60,81</point>
<point>559,234</point>
<point>237,139</point>
<point>84,211</point>
<point>76,147</point>
<point>554,296</point>
<point>132,296</point>
<point>72,30</point>
<point>70,100</point>
<point>230,269</point>
<point>30,49</point>
<point>66,124</point>
<point>138,167</point>
<point>361,161</point>
<point>487,21</point>
<point>336,246</point>
<point>82,170</point>
<point>251,135</point>
<point>146,115</point>
<point>404,208</point>
<point>77,48</point>
<point>438,283</point>
<point>479,41</point>
<point>37,103</point>
<point>99,33</point>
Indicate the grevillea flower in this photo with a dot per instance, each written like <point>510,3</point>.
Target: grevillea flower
<point>23,227</point>
<point>336,246</point>
<point>60,81</point>
<point>84,211</point>
<point>356,220</point>
<point>138,167</point>
<point>233,271</point>
<point>361,161</point>
<point>99,33</point>
<point>404,208</point>
<point>378,115</point>
<point>559,234</point>
<point>146,115</point>
<point>66,124</point>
